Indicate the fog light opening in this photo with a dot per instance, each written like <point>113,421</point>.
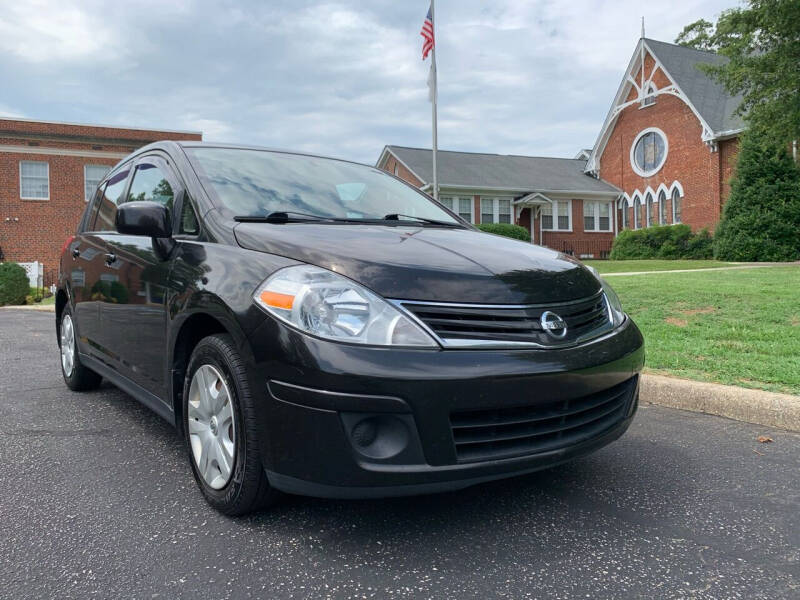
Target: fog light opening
<point>365,432</point>
<point>380,436</point>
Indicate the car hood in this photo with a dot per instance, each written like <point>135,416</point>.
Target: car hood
<point>426,263</point>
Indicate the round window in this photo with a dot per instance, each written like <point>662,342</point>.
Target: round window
<point>649,151</point>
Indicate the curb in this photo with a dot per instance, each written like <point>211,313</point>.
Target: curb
<point>742,404</point>
<point>45,308</point>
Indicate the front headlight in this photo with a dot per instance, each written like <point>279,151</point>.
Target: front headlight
<point>325,304</point>
<point>614,305</point>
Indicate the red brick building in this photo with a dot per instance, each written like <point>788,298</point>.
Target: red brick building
<point>670,139</point>
<point>553,198</point>
<point>664,155</point>
<point>47,173</point>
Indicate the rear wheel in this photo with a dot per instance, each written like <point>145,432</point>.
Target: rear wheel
<point>220,429</point>
<point>77,377</point>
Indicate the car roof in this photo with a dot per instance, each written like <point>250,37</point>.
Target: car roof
<point>195,144</point>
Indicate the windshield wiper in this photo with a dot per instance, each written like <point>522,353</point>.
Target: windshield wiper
<point>396,217</point>
<point>285,216</point>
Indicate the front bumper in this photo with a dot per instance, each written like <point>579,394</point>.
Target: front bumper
<point>314,394</point>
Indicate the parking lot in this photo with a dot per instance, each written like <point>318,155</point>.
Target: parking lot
<point>97,500</point>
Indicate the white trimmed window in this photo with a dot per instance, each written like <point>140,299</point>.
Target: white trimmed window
<point>557,216</point>
<point>597,216</point>
<point>461,205</point>
<point>662,208</point>
<point>623,213</point>
<point>396,169</point>
<point>34,180</point>
<point>92,175</point>
<point>649,151</point>
<point>676,206</point>
<point>495,210</point>
<point>650,95</point>
<point>649,209</point>
<point>637,213</point>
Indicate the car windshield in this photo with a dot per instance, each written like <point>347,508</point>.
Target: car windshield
<point>257,183</point>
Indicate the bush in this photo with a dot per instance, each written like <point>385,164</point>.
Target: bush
<point>13,284</point>
<point>508,230</point>
<point>664,241</point>
<point>761,219</point>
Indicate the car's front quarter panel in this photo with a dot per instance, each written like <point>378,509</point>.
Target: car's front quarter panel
<point>218,280</point>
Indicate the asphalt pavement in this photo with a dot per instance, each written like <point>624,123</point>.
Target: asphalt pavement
<point>97,501</point>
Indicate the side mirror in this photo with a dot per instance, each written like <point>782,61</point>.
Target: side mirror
<point>144,218</point>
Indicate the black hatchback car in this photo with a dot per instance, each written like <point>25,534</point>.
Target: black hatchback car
<point>320,327</point>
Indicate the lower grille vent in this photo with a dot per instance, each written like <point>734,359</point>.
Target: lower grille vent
<point>508,432</point>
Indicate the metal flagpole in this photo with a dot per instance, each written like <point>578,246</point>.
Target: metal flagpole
<point>433,104</point>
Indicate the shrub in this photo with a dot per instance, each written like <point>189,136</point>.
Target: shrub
<point>515,232</point>
<point>761,219</point>
<point>700,246</point>
<point>664,241</point>
<point>14,284</point>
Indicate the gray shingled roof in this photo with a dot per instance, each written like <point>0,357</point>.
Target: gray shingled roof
<point>710,98</point>
<point>522,173</point>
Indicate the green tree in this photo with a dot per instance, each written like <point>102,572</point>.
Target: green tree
<point>761,219</point>
<point>762,42</point>
<point>697,35</point>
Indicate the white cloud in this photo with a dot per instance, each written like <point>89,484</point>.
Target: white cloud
<point>341,77</point>
<point>42,30</point>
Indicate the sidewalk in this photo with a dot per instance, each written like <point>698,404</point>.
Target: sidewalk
<point>38,307</point>
<point>743,266</point>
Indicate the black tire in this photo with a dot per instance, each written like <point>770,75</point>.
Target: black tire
<point>248,489</point>
<point>81,378</point>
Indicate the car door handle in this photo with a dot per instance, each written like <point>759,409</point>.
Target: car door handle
<point>110,258</point>
<point>76,252</point>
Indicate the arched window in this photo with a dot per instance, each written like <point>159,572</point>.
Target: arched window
<point>624,214</point>
<point>650,95</point>
<point>649,209</point>
<point>637,213</point>
<point>676,206</point>
<point>662,207</point>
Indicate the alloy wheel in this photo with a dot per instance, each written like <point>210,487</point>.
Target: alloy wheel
<point>67,345</point>
<point>212,430</point>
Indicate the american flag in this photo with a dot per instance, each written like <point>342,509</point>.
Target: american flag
<point>427,33</point>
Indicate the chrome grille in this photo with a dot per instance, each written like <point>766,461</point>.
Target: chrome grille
<point>462,325</point>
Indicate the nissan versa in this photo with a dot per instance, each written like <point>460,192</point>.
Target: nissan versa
<point>320,327</point>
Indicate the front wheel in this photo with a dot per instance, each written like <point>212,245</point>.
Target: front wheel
<point>77,377</point>
<point>219,422</point>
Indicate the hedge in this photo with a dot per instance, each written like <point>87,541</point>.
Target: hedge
<point>14,286</point>
<point>664,241</point>
<point>515,232</point>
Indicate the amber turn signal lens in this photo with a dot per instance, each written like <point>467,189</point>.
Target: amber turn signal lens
<point>277,300</point>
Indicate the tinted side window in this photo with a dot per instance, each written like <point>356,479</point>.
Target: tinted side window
<point>150,183</point>
<point>189,223</point>
<point>107,211</point>
<point>91,210</point>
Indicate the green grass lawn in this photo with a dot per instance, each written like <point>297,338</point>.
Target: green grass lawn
<point>629,266</point>
<point>739,327</point>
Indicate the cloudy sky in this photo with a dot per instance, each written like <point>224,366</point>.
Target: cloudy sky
<point>341,78</point>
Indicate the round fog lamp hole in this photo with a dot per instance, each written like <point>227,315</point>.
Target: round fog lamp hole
<point>365,432</point>
<point>380,436</point>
